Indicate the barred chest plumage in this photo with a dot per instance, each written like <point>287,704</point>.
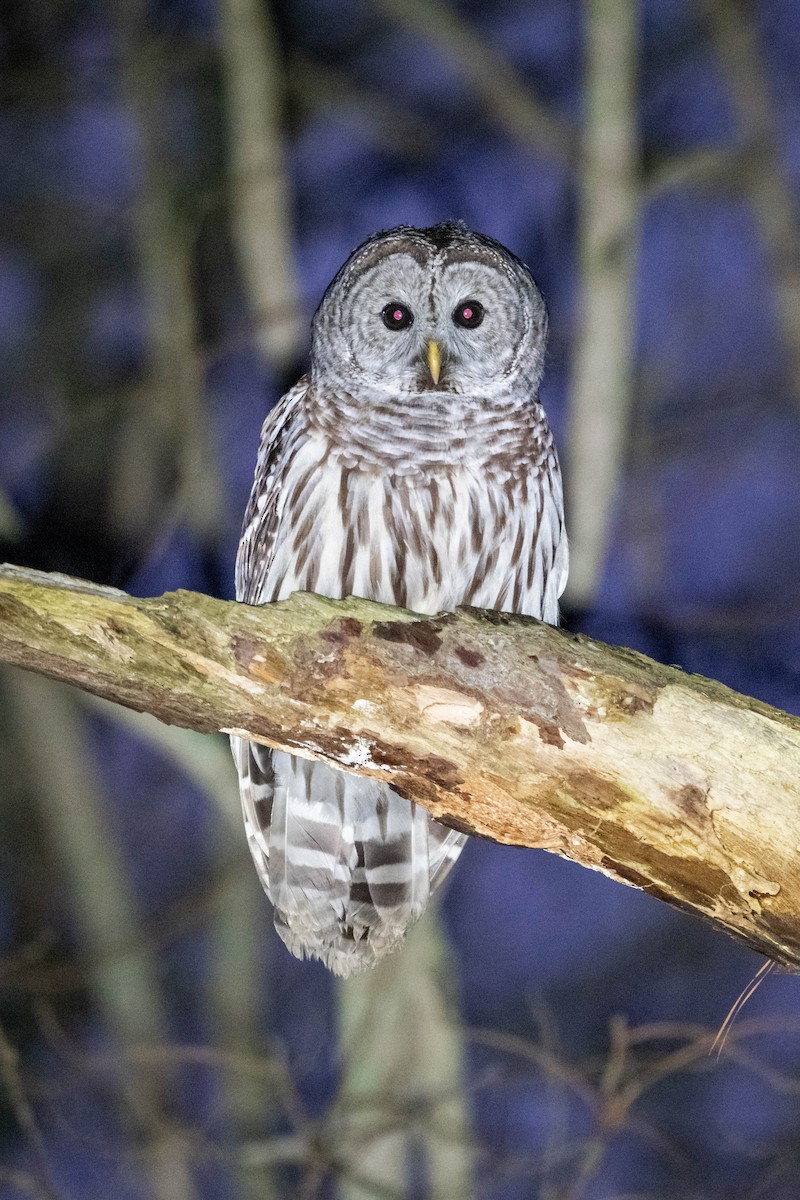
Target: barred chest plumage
<point>422,509</point>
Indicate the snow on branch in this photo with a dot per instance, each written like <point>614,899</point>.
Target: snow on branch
<point>501,726</point>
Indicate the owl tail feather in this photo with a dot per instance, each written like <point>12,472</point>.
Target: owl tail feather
<point>348,864</point>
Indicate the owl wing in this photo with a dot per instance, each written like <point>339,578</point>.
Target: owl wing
<point>551,550</point>
<point>278,439</point>
<point>253,761</point>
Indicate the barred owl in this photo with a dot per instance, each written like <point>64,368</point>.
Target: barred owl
<point>412,465</point>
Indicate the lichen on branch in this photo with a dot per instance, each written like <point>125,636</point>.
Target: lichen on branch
<point>502,726</point>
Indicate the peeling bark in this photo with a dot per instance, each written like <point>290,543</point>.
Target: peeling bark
<point>502,726</point>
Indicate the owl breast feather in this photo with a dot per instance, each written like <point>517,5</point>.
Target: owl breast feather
<point>428,541</point>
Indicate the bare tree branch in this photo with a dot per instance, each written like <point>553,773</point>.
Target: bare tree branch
<point>500,725</point>
<point>165,421</point>
<point>507,99</point>
<point>402,1064</point>
<point>602,391</point>
<point>126,984</point>
<point>260,195</point>
<point>733,30</point>
<point>236,924</point>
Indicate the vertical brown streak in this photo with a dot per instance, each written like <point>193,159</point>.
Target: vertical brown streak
<point>436,565</point>
<point>462,550</point>
<point>416,539</point>
<point>516,553</point>
<point>296,498</point>
<point>433,491</point>
<point>401,494</point>
<point>501,596</point>
<point>535,542</point>
<point>478,577</point>
<point>389,513</point>
<point>312,571</point>
<point>361,521</point>
<point>510,492</point>
<point>516,600</point>
<point>399,583</point>
<point>476,525</point>
<point>375,568</point>
<point>344,493</point>
<point>348,562</point>
<point>302,535</point>
<point>272,597</point>
<point>302,552</point>
<point>492,507</point>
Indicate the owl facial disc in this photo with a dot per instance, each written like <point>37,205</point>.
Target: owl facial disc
<point>446,311</point>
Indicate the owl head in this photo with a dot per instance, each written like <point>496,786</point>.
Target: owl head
<point>431,310</point>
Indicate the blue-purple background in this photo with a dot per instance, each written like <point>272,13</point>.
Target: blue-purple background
<point>382,127</point>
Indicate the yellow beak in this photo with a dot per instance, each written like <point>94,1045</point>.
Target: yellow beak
<point>434,360</point>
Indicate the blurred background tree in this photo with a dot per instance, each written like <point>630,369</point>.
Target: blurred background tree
<point>180,181</point>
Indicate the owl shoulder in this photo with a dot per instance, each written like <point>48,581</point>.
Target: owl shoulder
<point>281,433</point>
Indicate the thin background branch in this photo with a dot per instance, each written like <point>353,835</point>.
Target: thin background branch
<point>733,28</point>
<point>260,194</point>
<point>602,375</point>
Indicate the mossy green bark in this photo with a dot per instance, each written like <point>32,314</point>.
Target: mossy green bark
<point>500,725</point>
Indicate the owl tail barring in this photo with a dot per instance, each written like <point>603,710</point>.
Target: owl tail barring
<point>347,863</point>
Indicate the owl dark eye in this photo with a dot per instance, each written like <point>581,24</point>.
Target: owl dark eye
<point>397,316</point>
<point>469,314</point>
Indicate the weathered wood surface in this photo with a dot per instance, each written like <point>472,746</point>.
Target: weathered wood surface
<point>500,725</point>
